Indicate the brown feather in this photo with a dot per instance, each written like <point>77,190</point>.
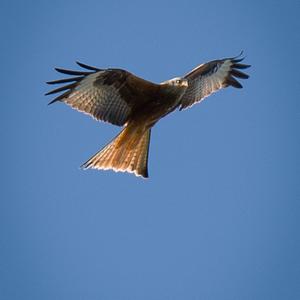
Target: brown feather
<point>121,98</point>
<point>202,70</point>
<point>60,97</point>
<point>121,155</point>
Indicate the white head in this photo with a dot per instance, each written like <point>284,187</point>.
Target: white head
<point>177,82</point>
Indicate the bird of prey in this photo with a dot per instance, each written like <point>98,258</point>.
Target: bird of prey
<point>123,99</point>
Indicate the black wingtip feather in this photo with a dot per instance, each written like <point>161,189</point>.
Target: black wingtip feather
<point>234,72</point>
<point>233,82</point>
<point>60,97</point>
<point>237,60</point>
<point>87,66</point>
<point>65,80</point>
<point>240,66</point>
<point>239,74</point>
<point>72,72</point>
<point>241,53</point>
<point>63,88</point>
<point>51,102</point>
<point>73,81</point>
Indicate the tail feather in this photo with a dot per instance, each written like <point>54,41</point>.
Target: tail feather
<point>128,152</point>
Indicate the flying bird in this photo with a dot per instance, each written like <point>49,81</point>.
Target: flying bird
<point>121,98</point>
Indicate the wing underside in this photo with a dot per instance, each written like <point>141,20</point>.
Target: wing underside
<point>90,92</point>
<point>211,77</point>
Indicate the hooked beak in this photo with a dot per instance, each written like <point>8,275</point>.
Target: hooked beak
<point>185,83</point>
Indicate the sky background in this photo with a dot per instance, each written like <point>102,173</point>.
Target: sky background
<point>219,216</point>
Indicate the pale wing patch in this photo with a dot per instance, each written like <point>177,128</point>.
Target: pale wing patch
<point>204,86</point>
<point>91,94</point>
<point>103,102</point>
<point>211,77</point>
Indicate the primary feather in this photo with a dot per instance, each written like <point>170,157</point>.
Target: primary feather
<point>211,77</point>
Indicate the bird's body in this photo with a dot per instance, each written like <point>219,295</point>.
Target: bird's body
<point>121,98</point>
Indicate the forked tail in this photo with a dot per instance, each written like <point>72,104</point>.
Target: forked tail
<point>127,152</point>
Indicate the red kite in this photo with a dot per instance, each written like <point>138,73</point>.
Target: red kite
<point>121,98</point>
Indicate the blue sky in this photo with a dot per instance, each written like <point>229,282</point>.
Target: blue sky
<point>219,216</point>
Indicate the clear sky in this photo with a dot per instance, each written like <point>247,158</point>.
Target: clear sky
<point>219,216</point>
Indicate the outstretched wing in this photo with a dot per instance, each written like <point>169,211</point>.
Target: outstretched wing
<point>210,77</point>
<point>103,94</point>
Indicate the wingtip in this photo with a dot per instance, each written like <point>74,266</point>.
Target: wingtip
<point>85,66</point>
<point>60,70</point>
<point>240,57</point>
<point>233,82</point>
<point>246,66</point>
<point>78,63</point>
<point>51,102</point>
<point>85,165</point>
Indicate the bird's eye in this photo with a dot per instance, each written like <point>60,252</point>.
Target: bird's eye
<point>178,81</point>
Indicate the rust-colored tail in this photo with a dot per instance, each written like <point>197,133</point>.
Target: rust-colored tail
<point>127,152</point>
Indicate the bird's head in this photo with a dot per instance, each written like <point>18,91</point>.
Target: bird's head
<point>177,82</point>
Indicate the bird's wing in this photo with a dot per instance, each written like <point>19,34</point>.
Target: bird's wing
<point>103,94</point>
<point>210,77</point>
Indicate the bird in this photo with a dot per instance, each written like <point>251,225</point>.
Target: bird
<point>123,99</point>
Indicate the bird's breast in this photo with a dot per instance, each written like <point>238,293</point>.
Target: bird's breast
<point>163,103</point>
